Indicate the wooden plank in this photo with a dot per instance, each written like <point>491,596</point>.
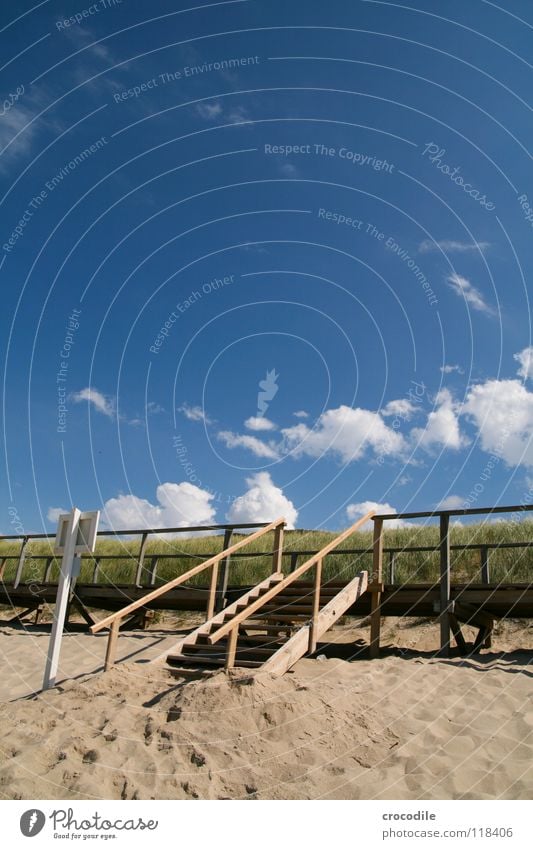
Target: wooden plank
<point>457,633</point>
<point>277,552</point>
<point>104,623</point>
<point>471,615</point>
<point>445,595</point>
<point>212,591</point>
<point>111,645</point>
<point>256,605</point>
<point>140,560</point>
<point>485,573</point>
<point>298,644</point>
<point>377,578</point>
<point>313,631</point>
<point>20,565</point>
<point>223,573</point>
<point>232,648</point>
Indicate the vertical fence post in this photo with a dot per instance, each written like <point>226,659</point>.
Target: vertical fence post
<point>20,565</point>
<point>376,587</point>
<point>392,566</point>
<point>223,573</point>
<point>294,561</point>
<point>140,561</point>
<point>96,569</point>
<point>153,570</point>
<point>277,552</point>
<point>316,607</point>
<point>445,588</point>
<point>232,647</point>
<point>485,571</point>
<point>212,590</point>
<point>111,645</point>
<point>47,569</point>
<point>2,568</point>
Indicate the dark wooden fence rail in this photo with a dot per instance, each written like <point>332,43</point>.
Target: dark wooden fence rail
<point>144,533</point>
<point>153,558</point>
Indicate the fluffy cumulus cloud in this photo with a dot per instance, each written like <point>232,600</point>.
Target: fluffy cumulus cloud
<point>525,358</point>
<point>259,423</point>
<point>178,505</point>
<point>402,407</point>
<point>464,289</point>
<point>442,428</point>
<point>347,432</point>
<point>102,403</point>
<point>502,411</point>
<point>357,511</point>
<point>250,443</point>
<point>262,502</point>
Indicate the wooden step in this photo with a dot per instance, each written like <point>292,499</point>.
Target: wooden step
<point>257,625</point>
<point>286,608</point>
<point>220,651</point>
<point>186,660</point>
<point>271,617</point>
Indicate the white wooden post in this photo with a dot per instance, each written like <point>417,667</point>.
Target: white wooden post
<point>71,540</point>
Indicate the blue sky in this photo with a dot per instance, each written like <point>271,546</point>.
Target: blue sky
<point>264,258</point>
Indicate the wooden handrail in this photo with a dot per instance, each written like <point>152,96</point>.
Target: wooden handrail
<point>113,621</point>
<point>234,623</point>
<point>141,602</point>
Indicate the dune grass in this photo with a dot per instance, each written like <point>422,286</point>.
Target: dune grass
<point>119,556</point>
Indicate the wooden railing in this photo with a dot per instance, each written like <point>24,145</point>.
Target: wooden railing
<point>446,612</point>
<point>230,629</point>
<point>114,620</point>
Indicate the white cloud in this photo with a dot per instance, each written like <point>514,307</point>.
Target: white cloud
<point>102,403</point>
<point>525,358</point>
<point>233,114</point>
<point>346,432</point>
<point>301,414</point>
<point>179,505</point>
<point>54,513</point>
<point>502,411</point>
<point>442,426</point>
<point>356,511</point>
<point>448,369</point>
<point>262,502</point>
<point>209,111</point>
<point>251,443</point>
<point>259,423</point>
<point>463,288</point>
<point>194,413</point>
<point>451,502</point>
<point>451,246</point>
<point>18,128</point>
<point>401,407</point>
<point>153,409</point>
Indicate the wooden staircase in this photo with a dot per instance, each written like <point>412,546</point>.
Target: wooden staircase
<point>272,639</point>
<point>273,625</point>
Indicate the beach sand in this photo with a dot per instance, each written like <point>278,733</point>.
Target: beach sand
<point>406,726</point>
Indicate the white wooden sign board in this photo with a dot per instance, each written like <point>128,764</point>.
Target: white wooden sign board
<point>76,534</point>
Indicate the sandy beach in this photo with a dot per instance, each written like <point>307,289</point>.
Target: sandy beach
<point>407,726</point>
